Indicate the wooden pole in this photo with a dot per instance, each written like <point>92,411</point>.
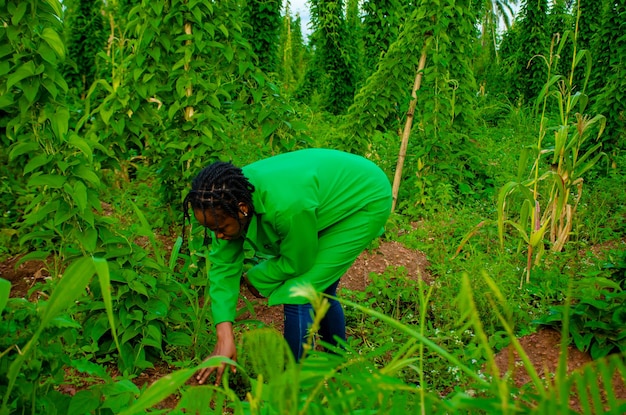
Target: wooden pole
<point>189,91</point>
<point>407,127</point>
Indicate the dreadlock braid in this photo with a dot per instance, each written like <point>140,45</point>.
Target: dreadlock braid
<point>220,186</point>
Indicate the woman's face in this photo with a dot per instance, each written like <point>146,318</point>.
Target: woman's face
<point>224,226</point>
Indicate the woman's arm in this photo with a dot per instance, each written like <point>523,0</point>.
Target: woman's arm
<point>226,267</point>
<point>225,346</point>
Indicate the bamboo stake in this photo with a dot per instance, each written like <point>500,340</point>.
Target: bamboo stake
<point>189,91</point>
<point>407,127</point>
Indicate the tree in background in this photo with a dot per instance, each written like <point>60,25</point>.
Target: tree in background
<point>332,73</point>
<point>589,14</point>
<point>589,21</point>
<point>85,36</point>
<point>523,49</point>
<point>448,90</point>
<point>263,28</point>
<point>443,32</point>
<point>487,68</point>
<point>609,74</point>
<point>490,13</point>
<point>560,21</point>
<point>292,52</point>
<point>382,21</point>
<point>355,42</point>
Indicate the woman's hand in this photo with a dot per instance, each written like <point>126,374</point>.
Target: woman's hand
<point>225,347</point>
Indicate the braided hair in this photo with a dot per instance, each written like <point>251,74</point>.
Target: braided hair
<point>220,186</point>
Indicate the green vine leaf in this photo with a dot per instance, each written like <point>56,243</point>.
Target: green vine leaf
<point>53,39</point>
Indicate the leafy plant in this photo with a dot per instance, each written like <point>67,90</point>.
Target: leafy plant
<point>609,74</point>
<point>334,63</point>
<point>262,31</point>
<point>22,362</point>
<point>571,159</point>
<point>597,316</point>
<point>529,40</point>
<point>382,22</point>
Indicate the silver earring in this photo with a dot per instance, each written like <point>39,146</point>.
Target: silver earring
<point>245,213</point>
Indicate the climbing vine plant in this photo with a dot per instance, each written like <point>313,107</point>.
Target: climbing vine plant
<point>334,62</point>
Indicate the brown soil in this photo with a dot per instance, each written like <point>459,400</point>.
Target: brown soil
<point>24,276</point>
<point>541,347</point>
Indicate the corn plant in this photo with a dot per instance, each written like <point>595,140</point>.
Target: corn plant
<point>550,196</point>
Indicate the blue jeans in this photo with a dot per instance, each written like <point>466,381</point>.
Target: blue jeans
<point>299,317</point>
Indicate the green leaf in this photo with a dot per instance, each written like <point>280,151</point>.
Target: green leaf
<point>89,239</point>
<point>70,287</point>
<point>60,122</point>
<point>138,287</point>
<point>119,401</point>
<point>90,368</point>
<point>63,213</point>
<point>56,7</point>
<point>176,338</point>
<point>81,144</point>
<point>87,174</point>
<point>175,252</point>
<point>153,337</point>
<point>5,50</point>
<point>84,402</point>
<point>47,53</point>
<point>268,129</point>
<point>155,309</point>
<point>35,255</point>
<point>65,321</point>
<point>18,13</point>
<point>5,291</point>
<point>104,277</point>
<point>30,87</point>
<point>130,333</point>
<point>36,162</point>
<point>228,53</point>
<point>6,99</point>
<point>23,72</point>
<point>54,41</point>
<point>54,181</point>
<point>79,194</point>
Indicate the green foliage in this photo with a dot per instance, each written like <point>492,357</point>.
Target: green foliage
<point>44,367</point>
<point>589,21</point>
<point>174,88</point>
<point>596,312</point>
<point>56,164</point>
<point>333,73</point>
<point>611,75</point>
<point>382,21</point>
<point>559,23</point>
<point>293,54</point>
<point>602,209</point>
<point>549,198</point>
<point>445,101</point>
<point>32,352</point>
<point>85,36</point>
<point>262,30</point>
<point>526,47</point>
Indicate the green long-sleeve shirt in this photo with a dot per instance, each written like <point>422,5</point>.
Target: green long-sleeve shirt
<point>297,195</point>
